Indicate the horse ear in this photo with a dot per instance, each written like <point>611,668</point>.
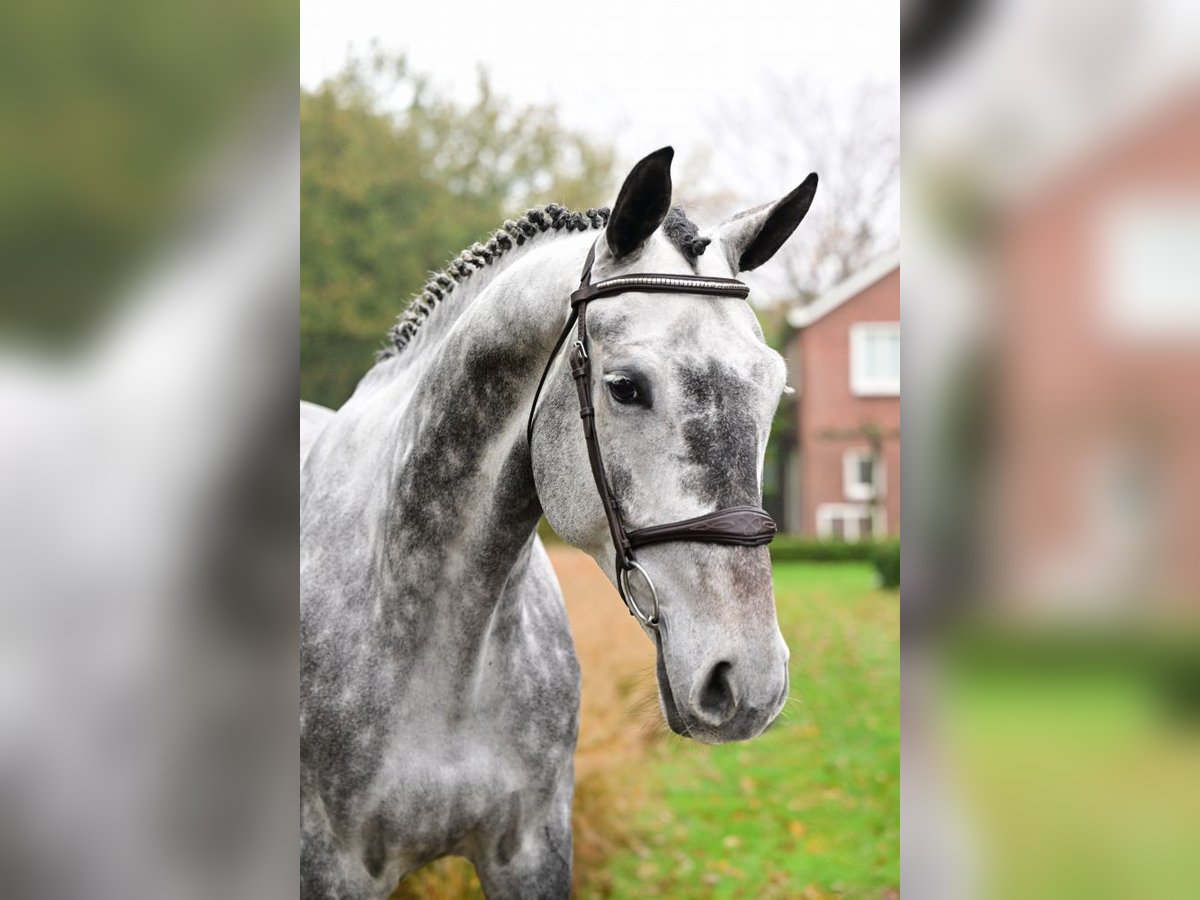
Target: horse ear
<point>751,238</point>
<point>642,204</point>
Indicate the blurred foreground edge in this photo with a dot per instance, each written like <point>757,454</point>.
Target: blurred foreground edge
<point>148,507</point>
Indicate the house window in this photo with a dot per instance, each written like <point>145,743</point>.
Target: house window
<point>1149,255</point>
<point>862,475</point>
<point>850,521</point>
<point>875,359</point>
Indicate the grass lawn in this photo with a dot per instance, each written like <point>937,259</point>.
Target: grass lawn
<point>1075,759</point>
<point>810,809</point>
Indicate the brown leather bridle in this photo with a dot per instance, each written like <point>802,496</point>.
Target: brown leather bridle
<point>746,526</point>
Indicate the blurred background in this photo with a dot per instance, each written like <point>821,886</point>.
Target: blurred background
<point>149,269</point>
<point>148,282</point>
<point>1052,449</point>
<point>424,128</point>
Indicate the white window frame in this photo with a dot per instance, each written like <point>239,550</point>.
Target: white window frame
<point>860,384</point>
<point>851,486</point>
<point>850,513</point>
<point>1149,265</point>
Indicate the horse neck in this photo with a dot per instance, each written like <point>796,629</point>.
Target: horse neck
<point>461,505</point>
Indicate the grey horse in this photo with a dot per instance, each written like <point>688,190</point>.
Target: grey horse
<point>439,683</point>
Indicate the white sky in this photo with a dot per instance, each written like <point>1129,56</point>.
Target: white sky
<point>644,74</point>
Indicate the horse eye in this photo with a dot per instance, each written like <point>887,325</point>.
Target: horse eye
<point>623,390</point>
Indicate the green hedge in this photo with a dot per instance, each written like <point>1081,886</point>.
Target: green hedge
<point>883,555</point>
<point>886,558</point>
<point>789,548</point>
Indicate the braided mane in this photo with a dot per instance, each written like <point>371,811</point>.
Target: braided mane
<point>512,233</point>
<point>552,217</point>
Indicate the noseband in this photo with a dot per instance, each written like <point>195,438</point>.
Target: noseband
<point>745,526</point>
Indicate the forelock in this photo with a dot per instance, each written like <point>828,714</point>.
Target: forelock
<point>684,233</point>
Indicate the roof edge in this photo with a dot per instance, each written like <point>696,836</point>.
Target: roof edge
<point>803,316</point>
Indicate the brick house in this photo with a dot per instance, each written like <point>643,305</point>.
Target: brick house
<point>1097,481</point>
<point>843,472</point>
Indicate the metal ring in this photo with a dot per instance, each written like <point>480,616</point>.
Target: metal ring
<point>627,595</point>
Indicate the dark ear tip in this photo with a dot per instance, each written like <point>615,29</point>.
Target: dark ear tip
<point>804,191</point>
<point>779,224</point>
<point>663,154</point>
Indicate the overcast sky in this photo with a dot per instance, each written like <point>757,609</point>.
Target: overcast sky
<point>644,74</point>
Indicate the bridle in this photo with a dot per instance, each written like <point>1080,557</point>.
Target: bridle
<point>746,526</point>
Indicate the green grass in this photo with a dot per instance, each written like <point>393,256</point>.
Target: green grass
<point>811,808</point>
<point>1074,757</point>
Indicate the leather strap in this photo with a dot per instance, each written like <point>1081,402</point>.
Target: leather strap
<point>661,284</point>
<point>581,371</point>
<point>745,526</point>
<point>562,337</point>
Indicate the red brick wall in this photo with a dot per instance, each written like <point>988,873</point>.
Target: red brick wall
<point>1076,396</point>
<point>819,368</point>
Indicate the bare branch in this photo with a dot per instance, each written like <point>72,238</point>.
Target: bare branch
<point>852,142</point>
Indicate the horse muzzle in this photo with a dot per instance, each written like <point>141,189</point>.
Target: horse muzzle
<point>727,701</point>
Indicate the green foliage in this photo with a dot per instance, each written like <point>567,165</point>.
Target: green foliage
<point>885,556</point>
<point>776,331</point>
<point>810,808</point>
<point>773,322</point>
<point>107,110</point>
<point>546,533</point>
<point>790,548</point>
<point>396,179</point>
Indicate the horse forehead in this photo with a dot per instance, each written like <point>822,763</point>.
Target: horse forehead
<point>659,255</point>
<point>672,324</point>
<point>686,326</point>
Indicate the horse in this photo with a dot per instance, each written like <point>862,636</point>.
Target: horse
<point>439,682</point>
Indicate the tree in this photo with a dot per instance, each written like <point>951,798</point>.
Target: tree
<point>852,143</point>
<point>109,113</point>
<point>395,180</point>
<point>762,150</point>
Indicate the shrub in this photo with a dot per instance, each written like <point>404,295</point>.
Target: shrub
<point>789,548</point>
<point>885,556</point>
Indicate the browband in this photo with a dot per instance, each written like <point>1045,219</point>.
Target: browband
<point>745,526</point>
<point>661,284</point>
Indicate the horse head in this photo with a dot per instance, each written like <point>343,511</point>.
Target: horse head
<point>684,389</point>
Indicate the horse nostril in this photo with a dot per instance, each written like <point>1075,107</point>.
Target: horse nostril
<point>716,701</point>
